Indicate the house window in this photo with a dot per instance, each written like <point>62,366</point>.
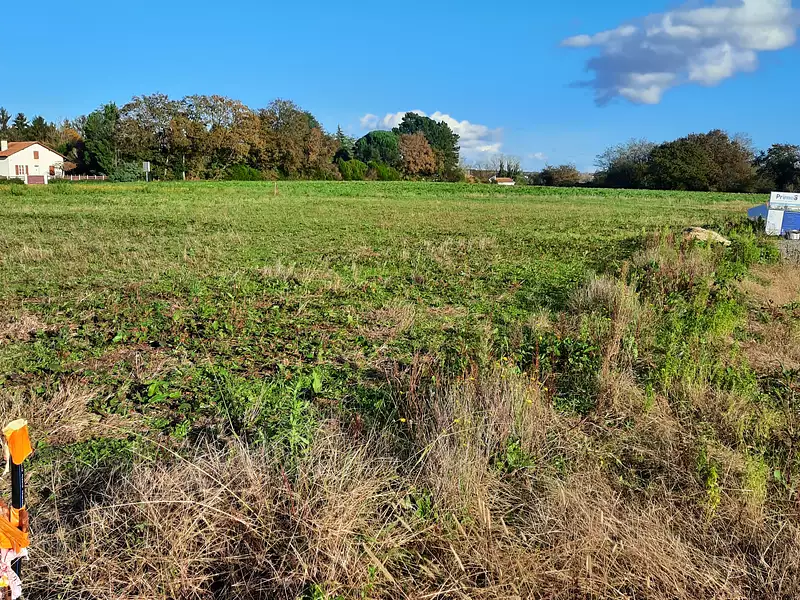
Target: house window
<point>35,155</point>
<point>22,169</point>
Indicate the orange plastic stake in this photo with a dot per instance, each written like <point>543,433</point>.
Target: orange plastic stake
<point>19,442</point>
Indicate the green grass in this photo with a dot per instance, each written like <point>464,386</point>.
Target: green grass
<point>386,390</point>
<point>334,278</point>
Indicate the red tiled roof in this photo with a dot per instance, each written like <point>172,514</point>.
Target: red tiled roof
<point>14,147</point>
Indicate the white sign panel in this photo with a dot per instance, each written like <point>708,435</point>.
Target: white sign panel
<point>146,166</point>
<point>784,200</point>
<point>774,222</point>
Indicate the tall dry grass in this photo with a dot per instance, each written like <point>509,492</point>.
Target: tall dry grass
<point>482,490</point>
<point>457,517</point>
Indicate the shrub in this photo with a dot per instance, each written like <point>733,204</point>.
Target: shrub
<point>352,170</point>
<point>127,171</point>
<point>561,176</point>
<point>383,172</point>
<point>243,173</point>
<point>454,175</point>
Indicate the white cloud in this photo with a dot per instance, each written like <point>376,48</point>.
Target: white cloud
<point>540,156</point>
<point>640,61</point>
<point>602,38</point>
<point>476,140</point>
<point>369,121</point>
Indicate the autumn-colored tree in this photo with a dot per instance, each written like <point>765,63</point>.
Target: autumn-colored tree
<point>293,143</point>
<point>144,131</point>
<point>439,135</point>
<point>225,132</point>
<point>417,154</point>
<point>560,176</point>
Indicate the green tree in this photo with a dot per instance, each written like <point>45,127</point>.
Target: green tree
<point>100,140</point>
<point>680,165</point>
<point>5,119</point>
<point>626,165</point>
<point>380,147</point>
<point>710,161</point>
<point>779,168</point>
<point>439,135</point>
<point>19,128</point>
<point>40,130</point>
<point>346,145</point>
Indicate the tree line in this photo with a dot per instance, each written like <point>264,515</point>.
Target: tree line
<point>702,162</point>
<point>214,137</point>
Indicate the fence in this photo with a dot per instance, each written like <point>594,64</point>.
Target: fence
<point>82,177</point>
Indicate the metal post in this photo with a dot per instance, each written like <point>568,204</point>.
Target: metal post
<point>17,500</point>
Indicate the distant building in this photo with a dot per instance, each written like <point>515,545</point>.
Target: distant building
<point>502,180</point>
<point>29,159</point>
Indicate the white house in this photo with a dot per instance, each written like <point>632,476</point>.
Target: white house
<point>23,159</point>
<point>502,180</point>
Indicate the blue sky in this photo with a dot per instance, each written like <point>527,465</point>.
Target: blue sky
<point>504,75</point>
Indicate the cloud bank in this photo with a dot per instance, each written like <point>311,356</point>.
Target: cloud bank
<point>641,60</point>
<point>476,140</point>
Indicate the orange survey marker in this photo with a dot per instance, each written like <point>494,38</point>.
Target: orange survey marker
<point>14,519</point>
<point>19,443</point>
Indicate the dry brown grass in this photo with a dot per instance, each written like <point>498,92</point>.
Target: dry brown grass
<point>59,414</point>
<point>454,520</point>
<point>227,523</point>
<point>389,322</point>
<point>774,334</point>
<point>291,273</point>
<point>20,326</point>
<point>773,285</point>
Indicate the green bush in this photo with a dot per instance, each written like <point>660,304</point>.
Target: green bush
<point>454,175</point>
<point>11,181</point>
<point>352,170</point>
<point>127,171</point>
<point>243,173</point>
<point>383,172</point>
<point>569,366</point>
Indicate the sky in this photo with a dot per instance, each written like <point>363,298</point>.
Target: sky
<point>547,82</point>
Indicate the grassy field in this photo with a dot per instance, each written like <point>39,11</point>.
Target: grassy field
<point>384,390</point>
<point>334,277</point>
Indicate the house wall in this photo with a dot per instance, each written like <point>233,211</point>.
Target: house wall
<point>3,167</point>
<point>40,166</point>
